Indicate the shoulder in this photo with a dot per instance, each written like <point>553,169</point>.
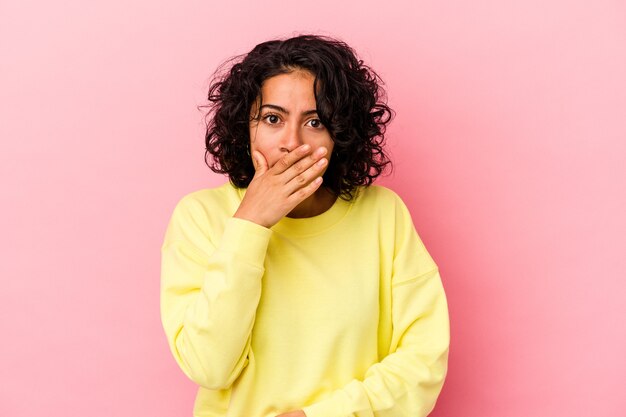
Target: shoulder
<point>385,205</point>
<point>218,200</point>
<point>377,204</point>
<point>378,197</point>
<point>220,193</point>
<point>411,258</point>
<point>202,213</point>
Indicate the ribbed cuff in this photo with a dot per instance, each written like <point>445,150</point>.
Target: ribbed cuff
<point>333,406</point>
<point>320,409</point>
<point>246,239</point>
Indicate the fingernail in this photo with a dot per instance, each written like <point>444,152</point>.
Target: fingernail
<point>306,147</point>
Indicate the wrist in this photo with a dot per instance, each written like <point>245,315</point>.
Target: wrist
<point>244,216</point>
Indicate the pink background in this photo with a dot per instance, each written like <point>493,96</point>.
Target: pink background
<point>509,146</point>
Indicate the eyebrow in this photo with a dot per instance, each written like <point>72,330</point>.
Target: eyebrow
<point>283,110</point>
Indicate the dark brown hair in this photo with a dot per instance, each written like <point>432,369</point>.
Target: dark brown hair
<point>349,98</point>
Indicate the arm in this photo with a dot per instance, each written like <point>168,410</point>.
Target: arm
<point>407,382</point>
<point>209,295</point>
<point>409,379</point>
<point>210,292</point>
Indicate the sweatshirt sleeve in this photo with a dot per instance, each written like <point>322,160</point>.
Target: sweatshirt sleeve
<point>406,382</point>
<point>210,292</point>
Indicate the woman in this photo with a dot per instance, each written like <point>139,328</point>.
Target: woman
<point>298,288</point>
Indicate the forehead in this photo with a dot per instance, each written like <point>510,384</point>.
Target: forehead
<point>294,86</point>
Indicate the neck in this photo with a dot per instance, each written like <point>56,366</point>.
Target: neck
<point>315,204</point>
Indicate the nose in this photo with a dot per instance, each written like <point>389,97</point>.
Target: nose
<point>291,139</point>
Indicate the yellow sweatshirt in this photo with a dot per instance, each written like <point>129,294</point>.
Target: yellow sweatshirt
<point>341,314</point>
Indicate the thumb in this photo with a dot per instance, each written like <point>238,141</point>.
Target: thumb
<point>260,164</point>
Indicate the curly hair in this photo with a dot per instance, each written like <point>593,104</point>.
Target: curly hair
<point>349,98</point>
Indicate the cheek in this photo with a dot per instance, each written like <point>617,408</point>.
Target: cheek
<point>270,156</point>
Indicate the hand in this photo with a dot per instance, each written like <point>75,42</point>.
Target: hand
<point>297,413</point>
<point>274,192</point>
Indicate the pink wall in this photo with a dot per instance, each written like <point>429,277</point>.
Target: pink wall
<point>509,145</point>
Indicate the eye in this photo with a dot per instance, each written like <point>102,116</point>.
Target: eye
<point>271,118</point>
<point>316,123</point>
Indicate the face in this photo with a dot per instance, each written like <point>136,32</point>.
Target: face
<point>288,117</point>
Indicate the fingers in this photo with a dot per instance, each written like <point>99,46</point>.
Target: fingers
<point>303,165</point>
<point>275,191</point>
<point>292,157</point>
<point>304,172</point>
<point>303,193</point>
